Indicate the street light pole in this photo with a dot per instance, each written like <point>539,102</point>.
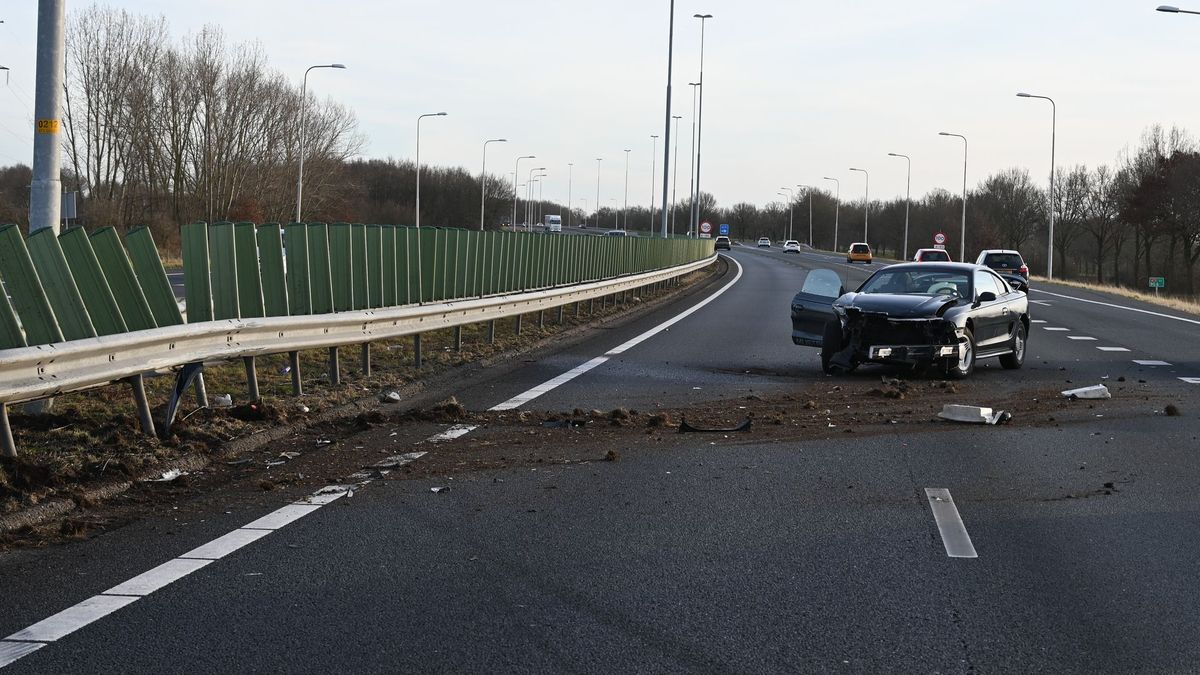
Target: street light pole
<point>419,118</point>
<point>625,209</point>
<point>692,171</point>
<point>962,243</point>
<point>45,188</point>
<point>837,206</point>
<point>667,127</point>
<point>1174,10</point>
<point>653,168</point>
<point>791,195</point>
<point>516,172</point>
<point>809,189</point>
<point>483,179</point>
<point>1053,134</point>
<point>529,197</point>
<point>866,203</point>
<point>699,121</point>
<point>675,177</point>
<point>570,181</point>
<point>303,110</point>
<point>597,219</point>
<point>907,199</point>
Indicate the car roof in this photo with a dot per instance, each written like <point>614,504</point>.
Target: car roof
<point>986,251</point>
<point>939,250</point>
<point>938,266</point>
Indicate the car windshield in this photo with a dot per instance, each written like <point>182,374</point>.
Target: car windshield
<point>919,282</point>
<point>1003,261</point>
<point>859,248</point>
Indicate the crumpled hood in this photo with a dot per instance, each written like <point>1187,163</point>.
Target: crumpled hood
<point>898,306</point>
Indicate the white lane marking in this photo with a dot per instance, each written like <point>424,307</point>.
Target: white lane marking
<point>1150,363</point>
<point>950,525</point>
<point>525,397</point>
<point>225,544</point>
<point>11,651</point>
<point>1191,380</point>
<point>1040,302</point>
<point>1055,329</point>
<point>282,516</point>
<point>1109,304</point>
<point>151,580</point>
<point>1081,337</point>
<point>1037,321</point>
<point>452,433</point>
<point>1112,349</point>
<point>73,618</point>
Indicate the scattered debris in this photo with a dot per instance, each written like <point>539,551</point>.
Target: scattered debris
<point>439,490</point>
<point>166,476</point>
<point>1095,392</point>
<point>684,427</point>
<point>301,408</point>
<point>564,424</point>
<point>1171,410</point>
<point>239,462</point>
<point>390,397</point>
<point>612,456</point>
<point>222,401</point>
<point>972,414</point>
<point>289,455</point>
<point>619,414</point>
<point>660,420</point>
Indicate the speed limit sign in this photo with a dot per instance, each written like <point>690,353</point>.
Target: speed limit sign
<point>706,227</point>
<point>939,239</point>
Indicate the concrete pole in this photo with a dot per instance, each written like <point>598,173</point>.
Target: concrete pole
<point>45,195</point>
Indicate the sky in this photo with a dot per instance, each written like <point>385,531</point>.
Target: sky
<point>793,90</point>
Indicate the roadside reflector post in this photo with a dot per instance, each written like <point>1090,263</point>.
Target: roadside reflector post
<point>251,378</point>
<point>294,366</point>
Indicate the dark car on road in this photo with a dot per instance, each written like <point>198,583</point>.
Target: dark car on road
<point>941,315</point>
<point>1004,262</point>
<point>722,243</point>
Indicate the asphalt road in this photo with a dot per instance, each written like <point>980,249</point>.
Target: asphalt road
<point>706,555</point>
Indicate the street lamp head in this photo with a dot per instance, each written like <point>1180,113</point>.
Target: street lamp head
<point>1024,95</point>
<point>892,154</point>
<point>340,66</point>
<point>693,84</point>
<point>828,178</point>
<point>702,16</point>
<point>441,114</point>
<point>676,117</point>
<point>1167,8</point>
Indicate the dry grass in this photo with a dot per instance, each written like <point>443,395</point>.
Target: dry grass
<point>1167,301</point>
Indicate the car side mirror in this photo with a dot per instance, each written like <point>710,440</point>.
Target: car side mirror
<point>986,296</point>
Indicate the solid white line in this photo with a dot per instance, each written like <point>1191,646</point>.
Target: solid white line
<point>1080,337</point>
<point>224,545</point>
<point>151,580</point>
<point>452,433</point>
<point>282,516</point>
<point>525,397</point>
<point>73,618</point>
<point>1191,380</point>
<point>1109,304</point>
<point>950,525</point>
<point>11,651</point>
<point>1055,329</point>
<point>1151,363</point>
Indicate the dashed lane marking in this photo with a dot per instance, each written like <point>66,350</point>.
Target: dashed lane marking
<point>1037,321</point>
<point>456,431</point>
<point>1115,306</point>
<point>1050,328</point>
<point>1040,302</point>
<point>1150,363</point>
<point>1112,349</point>
<point>1081,337</point>
<point>1191,380</point>
<point>949,523</point>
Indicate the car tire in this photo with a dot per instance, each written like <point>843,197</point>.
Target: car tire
<point>964,367</point>
<point>831,343</point>
<point>1015,359</point>
<point>849,261</point>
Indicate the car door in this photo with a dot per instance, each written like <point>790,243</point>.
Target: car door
<point>812,307</point>
<point>990,316</point>
<point>1015,304</point>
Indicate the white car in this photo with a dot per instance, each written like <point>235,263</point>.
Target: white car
<point>763,242</point>
<point>791,246</point>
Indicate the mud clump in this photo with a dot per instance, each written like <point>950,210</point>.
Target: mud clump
<point>612,456</point>
<point>620,416</point>
<point>1171,410</point>
<point>660,421</point>
<point>449,410</point>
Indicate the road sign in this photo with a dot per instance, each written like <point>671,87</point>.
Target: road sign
<point>939,239</point>
<point>706,228</point>
<point>724,230</point>
<point>1158,282</point>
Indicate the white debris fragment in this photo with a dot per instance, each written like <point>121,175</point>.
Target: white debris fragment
<point>436,490</point>
<point>222,401</point>
<point>390,397</point>
<point>973,414</point>
<point>166,477</point>
<point>1096,392</point>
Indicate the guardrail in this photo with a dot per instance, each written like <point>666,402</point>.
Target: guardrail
<point>86,311</point>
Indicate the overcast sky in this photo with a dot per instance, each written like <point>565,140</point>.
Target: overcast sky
<point>794,90</point>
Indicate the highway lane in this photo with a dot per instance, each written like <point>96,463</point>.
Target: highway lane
<point>751,557</point>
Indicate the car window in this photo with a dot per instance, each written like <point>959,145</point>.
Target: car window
<point>939,256</point>
<point>913,282</point>
<point>1003,261</point>
<point>822,283</point>
<point>984,282</point>
<point>859,248</point>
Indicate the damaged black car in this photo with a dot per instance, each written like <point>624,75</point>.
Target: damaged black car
<point>925,315</point>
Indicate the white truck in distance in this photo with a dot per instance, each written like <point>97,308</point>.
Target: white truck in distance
<point>553,223</point>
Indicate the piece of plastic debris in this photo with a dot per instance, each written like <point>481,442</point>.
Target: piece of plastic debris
<point>438,490</point>
<point>301,408</point>
<point>166,476</point>
<point>390,397</point>
<point>285,370</point>
<point>289,455</point>
<point>1096,392</point>
<point>238,462</point>
<point>973,414</point>
<point>222,401</point>
<point>324,442</point>
<point>276,462</point>
<point>684,427</point>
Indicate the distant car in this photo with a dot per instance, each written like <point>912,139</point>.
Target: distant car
<point>945,315</point>
<point>722,243</point>
<point>616,233</point>
<point>932,255</point>
<point>1004,262</point>
<point>791,246</point>
<point>859,252</point>
<point>763,242</point>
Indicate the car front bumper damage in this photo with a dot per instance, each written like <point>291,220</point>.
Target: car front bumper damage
<point>880,339</point>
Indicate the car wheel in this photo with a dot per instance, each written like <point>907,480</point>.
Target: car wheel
<point>831,343</point>
<point>1016,359</point>
<point>966,365</point>
<point>849,261</point>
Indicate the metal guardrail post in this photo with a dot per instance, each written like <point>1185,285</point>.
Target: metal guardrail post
<point>251,378</point>
<point>541,318</point>
<point>294,368</point>
<point>8,447</point>
<point>201,391</point>
<point>458,338</point>
<point>561,309</point>
<point>418,360</point>
<point>492,332</point>
<point>366,359</point>
<point>335,366</point>
<point>138,384</point>
<point>517,327</point>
